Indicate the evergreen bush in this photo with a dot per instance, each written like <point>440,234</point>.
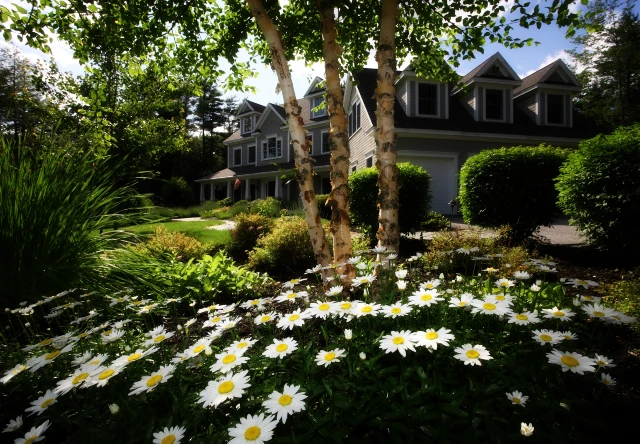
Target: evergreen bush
<point>177,192</point>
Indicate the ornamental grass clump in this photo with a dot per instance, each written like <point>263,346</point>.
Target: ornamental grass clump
<point>442,358</point>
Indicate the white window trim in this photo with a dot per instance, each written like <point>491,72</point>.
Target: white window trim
<point>234,156</point>
<point>321,112</point>
<point>266,140</point>
<point>244,120</point>
<point>427,82</point>
<point>368,156</point>
<point>504,105</point>
<point>564,110</point>
<point>322,133</point>
<point>255,147</point>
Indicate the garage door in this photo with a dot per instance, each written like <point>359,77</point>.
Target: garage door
<point>443,179</point>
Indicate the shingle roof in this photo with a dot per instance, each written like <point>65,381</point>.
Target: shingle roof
<point>256,106</point>
<point>234,136</point>
<point>534,78</point>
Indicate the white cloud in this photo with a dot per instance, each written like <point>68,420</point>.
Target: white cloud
<point>550,58</point>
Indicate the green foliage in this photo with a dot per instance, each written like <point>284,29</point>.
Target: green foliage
<point>323,208</point>
<point>201,230</point>
<point>165,243</point>
<point>218,213</point>
<point>249,229</point>
<point>435,222</point>
<point>285,251</point>
<point>227,201</point>
<point>360,243</point>
<point>269,207</point>
<point>53,205</point>
<point>624,296</point>
<point>240,207</point>
<point>599,189</point>
<point>180,212</point>
<point>414,198</point>
<point>511,187</point>
<point>177,192</point>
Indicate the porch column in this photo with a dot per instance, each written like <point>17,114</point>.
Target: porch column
<point>277,196</point>
<point>201,191</point>
<point>213,192</point>
<point>247,187</point>
<point>228,189</point>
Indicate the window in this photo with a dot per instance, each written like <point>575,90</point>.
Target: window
<point>369,161</point>
<point>555,109</point>
<point>494,104</point>
<point>325,143</point>
<point>354,167</point>
<point>272,148</point>
<point>247,125</point>
<point>354,118</point>
<point>427,99</point>
<point>316,103</point>
<point>252,154</point>
<point>237,156</point>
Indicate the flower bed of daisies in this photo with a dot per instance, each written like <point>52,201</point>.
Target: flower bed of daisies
<point>406,355</point>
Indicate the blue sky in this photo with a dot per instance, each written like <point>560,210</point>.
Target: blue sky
<point>524,61</point>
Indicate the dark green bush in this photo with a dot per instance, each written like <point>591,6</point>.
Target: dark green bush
<point>414,198</point>
<point>435,222</point>
<point>249,228</point>
<point>177,192</point>
<point>164,243</point>
<point>240,207</point>
<point>599,189</point>
<point>225,202</point>
<point>511,187</point>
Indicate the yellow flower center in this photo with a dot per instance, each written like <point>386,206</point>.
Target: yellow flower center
<point>431,335</point>
<point>158,338</point>
<point>46,342</point>
<point>396,310</point>
<point>281,347</point>
<point>252,433</point>
<point>216,319</point>
<point>198,349</point>
<point>570,361</point>
<point>229,359</point>
<point>119,300</point>
<point>83,335</point>
<point>255,302</point>
<point>134,357</point>
<point>330,356</point>
<point>602,363</point>
<point>429,286</point>
<point>472,354</point>
<point>324,307</point>
<point>579,282</point>
<point>265,318</point>
<point>558,313</point>
<point>225,387</point>
<point>108,332</point>
<point>345,305</point>
<point>169,439</point>
<point>462,304</point>
<point>516,400</point>
<point>30,440</point>
<point>211,307</point>
<point>95,362</point>
<point>292,295</point>
<point>546,338</point>
<point>53,354</point>
<point>243,344</point>
<point>293,281</point>
<point>285,400</point>
<point>500,298</point>
<point>606,382</point>
<point>522,317</point>
<point>367,309</point>
<point>47,403</point>
<point>364,280</point>
<point>426,297</point>
<point>599,314</point>
<point>489,306</point>
<point>398,340</point>
<point>154,380</point>
<point>78,379</point>
<point>106,374</point>
<point>294,317</point>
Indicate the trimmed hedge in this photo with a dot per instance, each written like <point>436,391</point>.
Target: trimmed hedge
<point>512,187</point>
<point>599,189</point>
<point>415,198</point>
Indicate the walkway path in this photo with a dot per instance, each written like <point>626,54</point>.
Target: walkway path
<point>225,225</point>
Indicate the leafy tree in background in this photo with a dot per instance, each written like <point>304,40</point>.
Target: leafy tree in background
<point>611,77</point>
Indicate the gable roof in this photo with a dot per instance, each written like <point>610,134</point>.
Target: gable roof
<point>253,106</point>
<point>314,88</point>
<point>543,74</point>
<point>270,108</point>
<point>484,70</point>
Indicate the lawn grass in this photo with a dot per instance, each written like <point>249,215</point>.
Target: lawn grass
<point>195,229</point>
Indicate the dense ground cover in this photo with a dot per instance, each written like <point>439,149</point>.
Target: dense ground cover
<point>410,355</point>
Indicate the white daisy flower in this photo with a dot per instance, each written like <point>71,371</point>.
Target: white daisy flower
<point>363,280</point>
<point>150,382</point>
<point>256,429</point>
<point>431,338</point>
<point>584,283</point>
<point>571,361</point>
<point>396,310</point>
<point>568,336</point>
<point>521,275</point>
<point>226,387</point>
<point>12,372</point>
<point>603,361</point>
<point>83,358</point>
<point>135,356</point>
<point>362,266</point>
<point>42,343</point>
<point>264,318</point>
<point>293,282</point>
<point>13,425</point>
<point>254,303</point>
<point>209,308</point>
<point>607,379</point>
<point>181,357</point>
<point>517,398</point>
<point>490,307</point>
<point>471,355</point>
<point>364,309</point>
<point>241,345</point>
<point>563,314</point>
<point>526,430</point>
<point>345,308</point>
<point>281,348</point>
<point>424,298</point>
<point>290,401</point>
<point>229,323</point>
<point>101,376</point>
<point>399,341</point>
<point>598,311</point>
<point>290,320</point>
<point>190,322</point>
<point>464,300</point>
<point>543,337</point>
<point>76,380</point>
<point>329,357</point>
<point>524,318</point>
<point>168,435</point>
<point>336,290</point>
<point>40,361</point>
<point>42,403</point>
<point>313,270</point>
<point>201,345</point>
<point>227,361</point>
<point>95,361</point>
<point>214,321</point>
<point>430,285</point>
<point>322,310</point>
<point>502,298</point>
<point>504,283</point>
<point>36,434</point>
<point>111,335</point>
<point>291,296</point>
<point>402,273</point>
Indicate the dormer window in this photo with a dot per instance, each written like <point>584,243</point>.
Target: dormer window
<point>494,104</point>
<point>427,99</point>
<point>315,111</point>
<point>247,125</point>
<point>555,109</point>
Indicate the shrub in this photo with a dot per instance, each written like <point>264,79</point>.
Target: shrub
<point>414,198</point>
<point>625,296</point>
<point>286,250</point>
<point>177,192</point>
<point>249,228</point>
<point>269,207</point>
<point>225,202</point>
<point>242,206</point>
<point>218,213</point>
<point>511,187</point>
<point>599,189</point>
<point>360,243</point>
<point>167,243</point>
<point>435,222</point>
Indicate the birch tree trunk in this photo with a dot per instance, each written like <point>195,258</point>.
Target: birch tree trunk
<point>301,146</point>
<point>339,143</point>
<point>385,135</point>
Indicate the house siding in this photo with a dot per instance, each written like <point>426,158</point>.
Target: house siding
<point>269,127</point>
<point>361,144</point>
<point>401,95</point>
<point>528,105</point>
<point>469,102</point>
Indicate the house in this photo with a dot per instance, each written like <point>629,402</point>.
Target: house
<point>439,126</point>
